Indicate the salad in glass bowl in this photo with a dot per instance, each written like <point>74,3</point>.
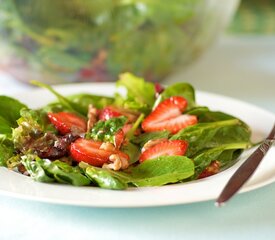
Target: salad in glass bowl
<point>91,40</point>
<point>145,135</point>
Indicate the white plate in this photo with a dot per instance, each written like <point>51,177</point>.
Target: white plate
<point>261,122</point>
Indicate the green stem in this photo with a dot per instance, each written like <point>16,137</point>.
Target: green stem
<point>131,132</point>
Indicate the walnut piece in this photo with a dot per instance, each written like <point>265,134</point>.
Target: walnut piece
<point>92,117</point>
<point>117,163</point>
<point>107,146</point>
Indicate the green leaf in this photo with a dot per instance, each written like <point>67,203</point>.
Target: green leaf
<point>84,100</point>
<point>198,111</point>
<point>132,150</point>
<point>130,134</point>
<point>140,95</point>
<point>161,171</point>
<point>34,167</point>
<point>226,154</point>
<point>5,129</point>
<point>145,137</point>
<point>6,152</point>
<point>64,173</point>
<point>10,110</point>
<point>105,178</point>
<point>65,102</point>
<point>32,125</point>
<point>44,170</point>
<point>153,172</point>
<point>179,89</point>
<point>213,134</point>
<point>214,116</point>
<point>105,130</point>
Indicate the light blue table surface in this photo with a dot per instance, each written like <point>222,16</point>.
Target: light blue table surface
<point>240,67</point>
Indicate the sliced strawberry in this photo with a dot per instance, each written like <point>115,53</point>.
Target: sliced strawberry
<point>89,151</point>
<point>119,138</point>
<point>168,116</point>
<point>212,169</point>
<point>127,127</point>
<point>67,122</point>
<point>174,124</point>
<point>165,148</point>
<point>109,112</point>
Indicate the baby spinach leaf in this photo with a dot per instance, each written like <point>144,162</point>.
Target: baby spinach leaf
<point>46,171</point>
<point>225,154</point>
<point>84,100</point>
<point>161,171</point>
<point>6,152</point>
<point>34,167</point>
<point>65,102</point>
<point>213,134</point>
<point>153,172</point>
<point>64,173</point>
<point>5,128</point>
<point>105,130</point>
<point>140,95</point>
<point>145,137</point>
<point>213,116</point>
<point>54,108</point>
<point>105,178</point>
<point>132,151</point>
<point>180,89</point>
<point>198,111</point>
<point>10,110</point>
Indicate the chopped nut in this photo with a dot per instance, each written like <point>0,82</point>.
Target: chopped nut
<point>152,143</point>
<point>92,117</point>
<point>118,163</point>
<point>107,146</point>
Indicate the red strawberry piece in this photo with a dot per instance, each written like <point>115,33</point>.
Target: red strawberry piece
<point>212,169</point>
<point>175,124</point>
<point>66,122</point>
<point>89,151</point>
<point>127,127</point>
<point>168,116</point>
<point>119,138</point>
<point>109,112</point>
<point>165,148</point>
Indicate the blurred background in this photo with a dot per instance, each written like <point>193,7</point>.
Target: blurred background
<point>254,17</point>
<point>93,41</point>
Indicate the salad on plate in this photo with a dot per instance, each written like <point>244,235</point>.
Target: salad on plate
<point>145,135</point>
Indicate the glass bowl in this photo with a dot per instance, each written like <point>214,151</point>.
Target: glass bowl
<point>95,40</point>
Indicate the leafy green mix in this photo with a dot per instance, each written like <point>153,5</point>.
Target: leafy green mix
<point>85,38</point>
<point>24,132</point>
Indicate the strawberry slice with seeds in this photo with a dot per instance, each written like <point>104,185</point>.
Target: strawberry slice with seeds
<point>90,151</point>
<point>165,148</point>
<point>119,138</point>
<point>168,116</point>
<point>174,124</point>
<point>66,122</point>
<point>109,112</point>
